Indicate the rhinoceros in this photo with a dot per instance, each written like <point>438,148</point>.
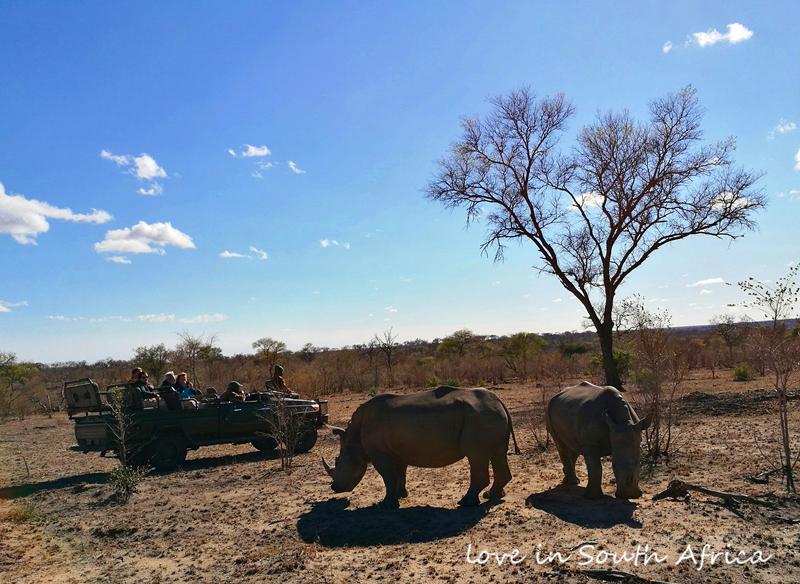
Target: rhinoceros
<point>430,429</point>
<point>596,422</point>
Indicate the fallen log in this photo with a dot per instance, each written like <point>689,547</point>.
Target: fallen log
<point>678,489</point>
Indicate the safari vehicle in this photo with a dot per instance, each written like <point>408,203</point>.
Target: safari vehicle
<point>162,437</point>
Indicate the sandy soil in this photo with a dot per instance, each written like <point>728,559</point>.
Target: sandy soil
<point>231,515</point>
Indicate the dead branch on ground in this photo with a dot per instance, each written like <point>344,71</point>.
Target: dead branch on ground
<point>678,488</point>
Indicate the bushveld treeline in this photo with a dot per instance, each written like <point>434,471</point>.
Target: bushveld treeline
<point>645,350</point>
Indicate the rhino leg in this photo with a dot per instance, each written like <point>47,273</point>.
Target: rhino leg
<point>393,475</point>
<point>502,474</point>
<point>402,492</point>
<point>594,466</point>
<point>568,458</point>
<point>478,480</point>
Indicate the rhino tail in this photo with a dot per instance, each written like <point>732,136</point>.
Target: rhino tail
<point>510,429</point>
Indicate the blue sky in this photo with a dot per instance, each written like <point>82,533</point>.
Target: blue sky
<point>254,169</point>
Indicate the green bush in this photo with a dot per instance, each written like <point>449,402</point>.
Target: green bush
<point>373,391</point>
<point>433,381</point>
<point>481,383</point>
<point>125,480</point>
<point>744,372</point>
<point>453,382</point>
<point>622,359</point>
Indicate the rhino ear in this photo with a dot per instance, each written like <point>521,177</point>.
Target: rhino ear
<point>644,424</point>
<point>609,421</point>
<point>340,432</point>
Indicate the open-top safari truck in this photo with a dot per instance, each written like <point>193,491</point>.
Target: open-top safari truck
<point>161,436</point>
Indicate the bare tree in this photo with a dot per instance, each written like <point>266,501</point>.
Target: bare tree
<point>780,348</point>
<point>660,372</point>
<point>731,331</point>
<point>387,345</point>
<point>190,352</point>
<point>595,214</point>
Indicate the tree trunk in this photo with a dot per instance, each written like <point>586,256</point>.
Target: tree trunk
<point>609,365</point>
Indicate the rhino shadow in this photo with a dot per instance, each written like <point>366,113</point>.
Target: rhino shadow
<point>18,491</point>
<point>567,503</point>
<point>331,524</point>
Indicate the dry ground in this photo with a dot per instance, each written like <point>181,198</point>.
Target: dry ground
<point>231,515</point>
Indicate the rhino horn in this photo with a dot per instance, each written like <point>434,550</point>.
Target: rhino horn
<point>645,423</point>
<point>327,468</point>
<point>340,432</point>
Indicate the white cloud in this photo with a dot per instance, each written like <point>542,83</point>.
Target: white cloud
<point>118,260</point>
<point>729,200</point>
<point>736,34</point>
<point>262,255</point>
<point>107,318</point>
<point>7,306</point>
<point>120,160</point>
<point>667,47</point>
<point>65,318</point>
<point>347,246</point>
<point>294,169</point>
<point>797,159</point>
<point>557,300</point>
<point>24,219</point>
<point>588,199</point>
<point>324,242</point>
<point>156,317</point>
<point>142,237</point>
<point>205,318</point>
<point>265,165</point>
<point>703,292</point>
<point>155,189</point>
<point>390,309</point>
<point>228,254</point>
<point>782,127</point>
<point>255,151</point>
<point>707,282</point>
<point>231,152</point>
<point>147,168</point>
<point>794,195</point>
<point>257,174</point>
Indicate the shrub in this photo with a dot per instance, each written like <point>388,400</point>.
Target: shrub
<point>622,359</point>
<point>432,381</point>
<point>25,512</point>
<point>744,372</point>
<point>453,382</point>
<point>125,480</point>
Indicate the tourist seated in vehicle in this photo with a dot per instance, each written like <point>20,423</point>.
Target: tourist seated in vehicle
<point>168,392</point>
<point>234,393</point>
<point>277,383</point>
<point>146,391</point>
<point>184,387</point>
<point>135,375</point>
<point>169,380</point>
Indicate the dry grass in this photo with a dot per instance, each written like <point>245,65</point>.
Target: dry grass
<point>230,516</point>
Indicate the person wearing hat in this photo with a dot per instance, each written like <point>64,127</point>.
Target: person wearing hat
<point>277,383</point>
<point>234,393</point>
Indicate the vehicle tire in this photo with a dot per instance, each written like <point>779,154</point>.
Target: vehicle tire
<point>170,451</point>
<point>306,441</point>
<point>265,444</point>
